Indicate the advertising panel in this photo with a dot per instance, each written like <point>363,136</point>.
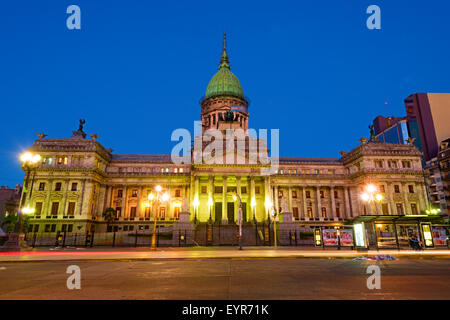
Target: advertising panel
<point>317,237</point>
<point>439,237</point>
<point>330,237</point>
<point>360,235</point>
<point>427,236</point>
<point>346,237</point>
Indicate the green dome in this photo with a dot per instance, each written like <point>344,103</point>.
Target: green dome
<point>224,82</point>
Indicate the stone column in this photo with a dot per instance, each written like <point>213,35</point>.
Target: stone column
<point>290,199</point>
<point>425,195</point>
<point>65,188</point>
<point>266,196</point>
<point>191,198</point>
<point>405,198</point>
<point>80,203</point>
<point>252,195</point>
<point>319,205</point>
<point>138,206</point>
<point>421,205</point>
<point>305,209</point>
<point>47,208</point>
<point>109,191</point>
<point>224,201</point>
<point>390,189</point>
<point>276,205</point>
<point>333,204</point>
<point>124,202</point>
<point>238,187</point>
<point>347,213</point>
<point>211,196</point>
<point>196,186</point>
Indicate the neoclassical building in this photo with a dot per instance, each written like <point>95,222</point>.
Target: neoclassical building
<point>78,178</point>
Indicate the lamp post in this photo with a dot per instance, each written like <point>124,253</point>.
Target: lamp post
<point>371,196</point>
<point>237,197</point>
<point>253,205</point>
<point>195,203</point>
<point>210,204</point>
<point>156,200</point>
<point>29,164</point>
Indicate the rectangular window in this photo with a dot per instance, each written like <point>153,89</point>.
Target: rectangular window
<point>294,194</point>
<point>336,195</point>
<point>399,209</point>
<point>177,193</point>
<point>382,190</point>
<point>244,190</point>
<point>217,189</point>
<point>58,186</point>
<point>378,164</point>
<point>47,228</point>
<point>257,190</point>
<point>411,188</point>
<point>414,209</point>
<point>74,186</point>
<point>396,188</point>
<point>181,170</point>
<point>134,193</point>
<point>70,228</point>
<point>36,228</point>
<point>384,208</point>
<point>324,212</point>
<point>133,212</point>
<point>175,170</point>
<point>176,212</point>
<point>53,229</point>
<point>119,193</point>
<point>280,193</point>
<point>308,194</point>
<point>309,211</point>
<point>322,195</point>
<point>406,164</point>
<point>295,213</point>
<point>55,207</point>
<point>64,227</point>
<point>118,212</point>
<point>203,189</point>
<point>338,212</point>
<point>71,209</point>
<point>38,208</point>
<point>42,186</point>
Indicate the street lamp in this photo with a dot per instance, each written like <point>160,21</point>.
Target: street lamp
<point>268,205</point>
<point>195,203</point>
<point>156,200</point>
<point>30,162</point>
<point>237,197</point>
<point>210,204</point>
<point>371,195</point>
<point>253,205</point>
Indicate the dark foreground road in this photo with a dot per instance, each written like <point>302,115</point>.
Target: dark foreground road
<point>228,279</point>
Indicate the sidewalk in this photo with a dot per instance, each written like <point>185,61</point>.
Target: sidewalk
<point>203,253</point>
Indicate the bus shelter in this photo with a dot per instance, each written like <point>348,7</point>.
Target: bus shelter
<point>394,231</point>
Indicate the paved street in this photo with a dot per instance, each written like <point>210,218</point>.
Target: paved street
<point>187,253</point>
<point>299,278</point>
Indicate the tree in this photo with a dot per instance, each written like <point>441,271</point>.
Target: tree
<point>109,215</point>
<point>11,220</point>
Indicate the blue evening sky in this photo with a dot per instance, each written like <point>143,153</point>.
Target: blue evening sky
<point>137,69</point>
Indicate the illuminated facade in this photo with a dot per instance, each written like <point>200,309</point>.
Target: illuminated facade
<point>78,179</point>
